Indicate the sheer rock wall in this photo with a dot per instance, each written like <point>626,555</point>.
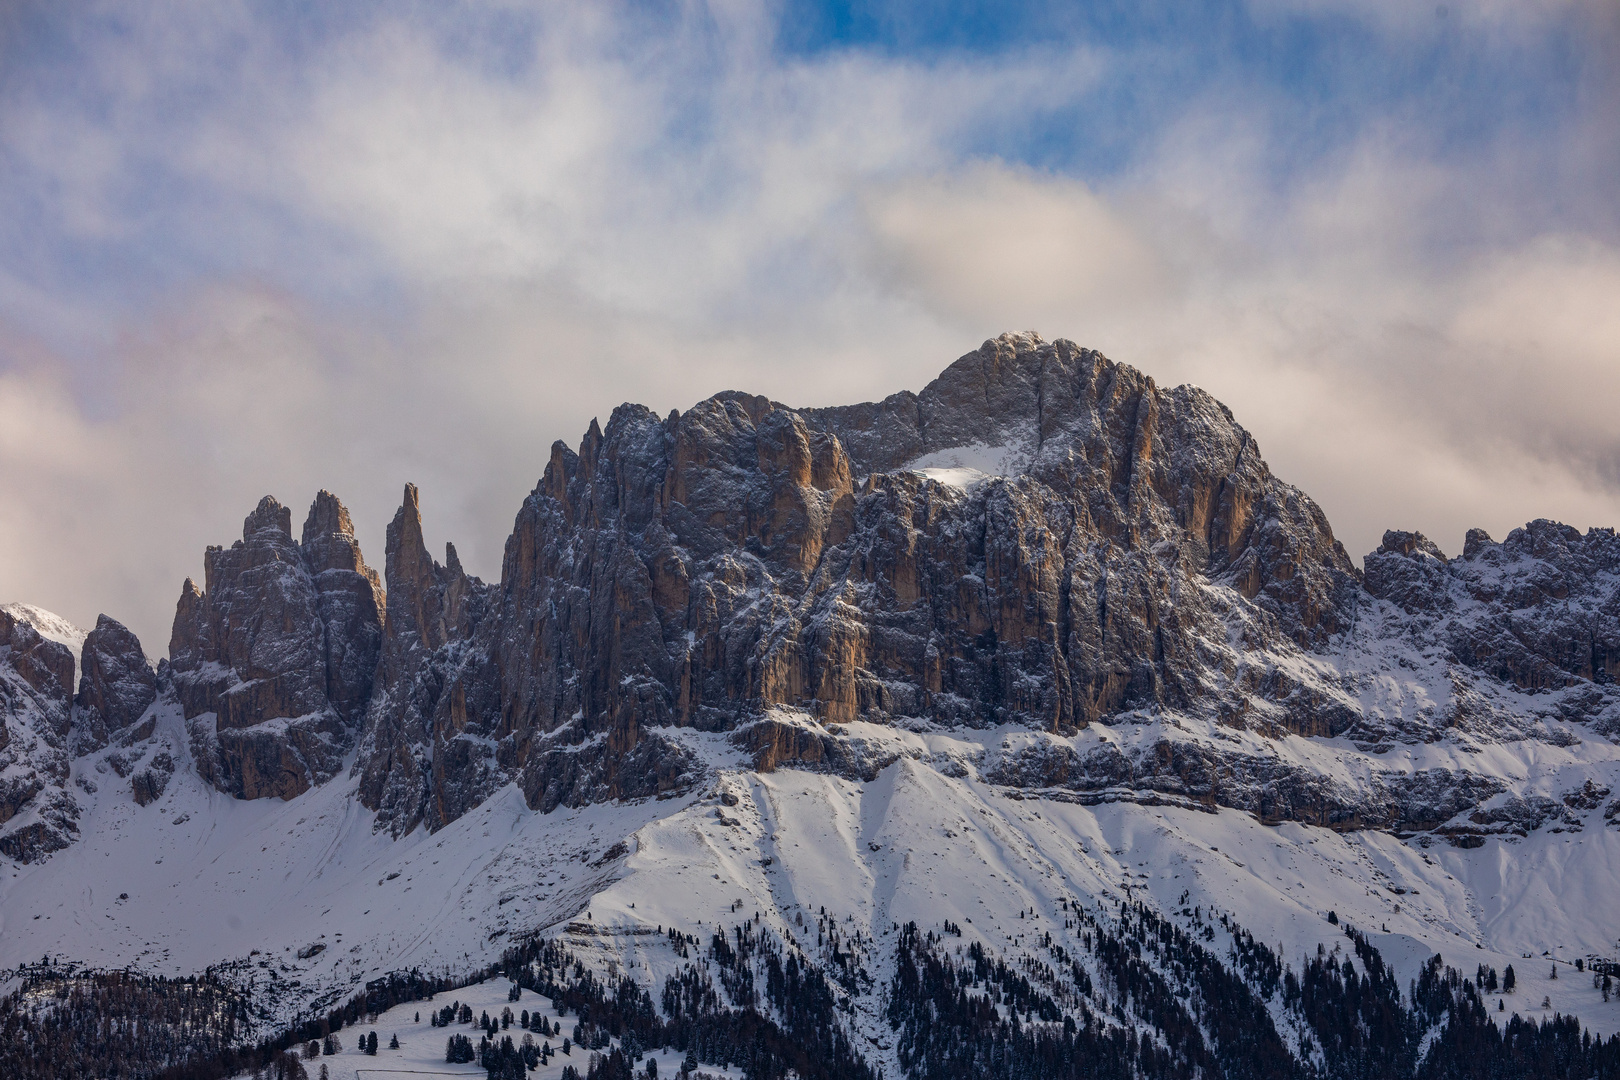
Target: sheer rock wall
<point>1041,538</point>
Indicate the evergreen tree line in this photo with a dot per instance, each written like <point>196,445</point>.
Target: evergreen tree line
<point>781,1016</point>
<point>1118,994</point>
<point>1163,1005</point>
<point>72,1024</point>
<point>68,1025</point>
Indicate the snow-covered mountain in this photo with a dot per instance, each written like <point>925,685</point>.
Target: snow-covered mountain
<point>1004,659</point>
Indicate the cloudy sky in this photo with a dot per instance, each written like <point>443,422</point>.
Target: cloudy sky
<point>273,247</point>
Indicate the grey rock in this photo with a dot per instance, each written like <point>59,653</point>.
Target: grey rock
<point>149,784</point>
<point>699,568</point>
<point>425,753</point>
<point>1106,553</point>
<point>116,684</point>
<point>36,715</point>
<point>274,657</point>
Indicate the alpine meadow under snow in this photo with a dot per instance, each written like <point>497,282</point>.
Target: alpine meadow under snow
<point>1023,726</point>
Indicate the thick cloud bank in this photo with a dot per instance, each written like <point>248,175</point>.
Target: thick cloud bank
<point>241,256</point>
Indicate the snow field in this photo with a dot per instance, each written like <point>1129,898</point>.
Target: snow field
<point>422,1046</point>
<point>305,902</point>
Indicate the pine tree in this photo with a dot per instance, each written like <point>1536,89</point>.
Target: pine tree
<point>1509,980</point>
<point>459,1050</point>
<point>393,1041</point>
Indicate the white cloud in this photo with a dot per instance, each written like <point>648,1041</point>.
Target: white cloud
<point>987,245</point>
<point>427,266</point>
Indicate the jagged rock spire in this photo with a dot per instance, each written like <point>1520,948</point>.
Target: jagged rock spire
<point>116,683</point>
<point>284,630</point>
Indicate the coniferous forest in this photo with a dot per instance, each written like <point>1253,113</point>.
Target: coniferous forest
<point>1120,994</point>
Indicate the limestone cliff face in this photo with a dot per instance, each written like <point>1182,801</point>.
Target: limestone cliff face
<point>698,567</point>
<point>424,756</point>
<point>275,655</point>
<point>1042,538</point>
<point>694,570</point>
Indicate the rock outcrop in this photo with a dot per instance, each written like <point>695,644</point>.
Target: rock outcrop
<point>426,755</point>
<point>1540,610</point>
<point>37,814</point>
<point>116,685</point>
<point>274,657</point>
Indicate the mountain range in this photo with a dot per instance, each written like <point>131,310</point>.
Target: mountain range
<point>1044,646</point>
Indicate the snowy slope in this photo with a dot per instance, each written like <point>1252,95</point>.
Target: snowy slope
<point>198,879</point>
<point>50,625</point>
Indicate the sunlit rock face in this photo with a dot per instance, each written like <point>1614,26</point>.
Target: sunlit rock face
<point>1091,556</point>
<point>742,554</point>
<point>1041,538</point>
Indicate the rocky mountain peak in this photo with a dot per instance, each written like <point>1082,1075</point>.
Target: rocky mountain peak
<point>1398,542</point>
<point>703,567</point>
<point>327,516</point>
<point>1540,610</point>
<point>1476,541</point>
<point>36,717</point>
<point>427,602</point>
<point>45,666</point>
<point>117,684</point>
<point>283,632</point>
<point>268,516</point>
<point>49,625</point>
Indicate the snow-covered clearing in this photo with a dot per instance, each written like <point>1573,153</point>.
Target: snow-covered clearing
<point>421,1052</point>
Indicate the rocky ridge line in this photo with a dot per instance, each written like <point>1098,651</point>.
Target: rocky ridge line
<point>1129,563</point>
